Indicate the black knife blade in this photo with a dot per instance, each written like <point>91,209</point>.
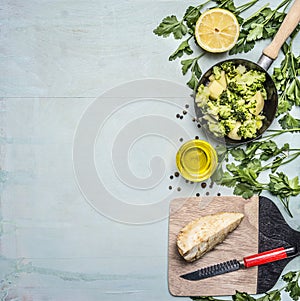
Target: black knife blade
<point>214,270</point>
<point>246,262</point>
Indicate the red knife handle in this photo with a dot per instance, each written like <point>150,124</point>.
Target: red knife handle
<point>268,256</point>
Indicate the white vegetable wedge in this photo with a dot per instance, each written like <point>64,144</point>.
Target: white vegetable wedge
<point>203,234</point>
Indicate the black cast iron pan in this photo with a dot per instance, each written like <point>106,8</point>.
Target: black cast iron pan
<point>269,54</point>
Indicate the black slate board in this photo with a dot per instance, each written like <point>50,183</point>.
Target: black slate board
<point>273,232</point>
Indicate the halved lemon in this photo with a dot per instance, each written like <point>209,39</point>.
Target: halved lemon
<point>217,30</point>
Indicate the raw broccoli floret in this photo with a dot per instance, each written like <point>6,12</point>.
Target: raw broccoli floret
<point>217,129</point>
<point>224,99</point>
<point>231,99</point>
<point>248,129</point>
<point>202,96</point>
<point>241,69</point>
<point>228,67</point>
<point>253,77</point>
<point>217,72</point>
<point>228,125</point>
<point>212,108</point>
<point>225,111</point>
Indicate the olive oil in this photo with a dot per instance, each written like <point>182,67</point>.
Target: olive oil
<point>196,160</point>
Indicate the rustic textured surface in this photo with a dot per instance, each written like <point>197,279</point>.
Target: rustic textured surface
<point>57,57</point>
<point>242,242</point>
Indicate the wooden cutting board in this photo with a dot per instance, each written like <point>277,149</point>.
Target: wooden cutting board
<point>262,228</point>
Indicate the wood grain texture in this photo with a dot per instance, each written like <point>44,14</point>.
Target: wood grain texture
<point>241,242</point>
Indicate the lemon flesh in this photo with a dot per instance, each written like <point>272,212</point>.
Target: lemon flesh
<point>217,30</point>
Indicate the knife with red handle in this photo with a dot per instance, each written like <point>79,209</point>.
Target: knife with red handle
<point>246,262</point>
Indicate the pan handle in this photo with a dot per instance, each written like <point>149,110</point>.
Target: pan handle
<point>288,25</point>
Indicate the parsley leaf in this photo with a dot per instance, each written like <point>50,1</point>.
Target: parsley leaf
<point>170,24</point>
<point>192,64</point>
<point>228,180</point>
<point>291,286</point>
<point>242,45</point>
<point>256,32</point>
<point>191,16</point>
<point>289,122</point>
<point>270,149</point>
<point>284,188</point>
<point>184,47</point>
<point>287,82</point>
<point>271,296</point>
<point>242,297</point>
<point>193,82</point>
<point>186,65</point>
<point>226,4</point>
<point>245,190</point>
<point>283,105</point>
<point>262,24</point>
<point>238,154</point>
<point>196,69</point>
<point>292,279</point>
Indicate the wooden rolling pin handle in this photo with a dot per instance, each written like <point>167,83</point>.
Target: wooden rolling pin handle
<point>288,25</point>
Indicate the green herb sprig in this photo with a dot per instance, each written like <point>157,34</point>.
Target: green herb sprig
<point>291,287</point>
<point>286,79</point>
<point>260,157</point>
<point>262,24</point>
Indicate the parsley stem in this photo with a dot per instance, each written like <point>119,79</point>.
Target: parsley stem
<point>196,8</point>
<point>292,58</point>
<point>285,2</point>
<point>282,162</point>
<point>279,132</point>
<point>203,4</point>
<point>223,3</point>
<point>199,56</point>
<point>293,157</point>
<point>189,37</point>
<point>244,7</point>
<point>286,204</point>
<point>256,13</point>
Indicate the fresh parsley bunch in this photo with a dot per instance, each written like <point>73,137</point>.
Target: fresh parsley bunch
<point>287,82</point>
<point>255,159</point>
<point>170,25</point>
<point>291,287</point>
<point>262,24</point>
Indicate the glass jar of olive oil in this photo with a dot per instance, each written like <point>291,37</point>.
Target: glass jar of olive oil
<point>196,160</point>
